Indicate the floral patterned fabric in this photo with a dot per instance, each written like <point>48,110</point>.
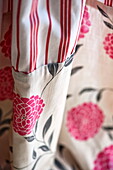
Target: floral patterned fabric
<point>84,121</point>
<point>56,86</point>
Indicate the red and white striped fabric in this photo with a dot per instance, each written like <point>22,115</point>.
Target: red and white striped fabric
<point>107,2</point>
<point>42,33</point>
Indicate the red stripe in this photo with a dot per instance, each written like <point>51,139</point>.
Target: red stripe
<point>37,34</point>
<point>61,27</point>
<point>8,5</point>
<point>18,48</point>
<point>111,3</point>
<point>69,26</point>
<point>49,32</point>
<point>32,36</point>
<point>107,2</point>
<point>65,30</point>
<point>78,27</point>
<point>31,25</point>
<point>34,41</point>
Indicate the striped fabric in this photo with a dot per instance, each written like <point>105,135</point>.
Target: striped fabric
<point>107,2</point>
<point>42,33</point>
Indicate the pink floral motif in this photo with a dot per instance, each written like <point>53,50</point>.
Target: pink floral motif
<point>86,23</point>
<point>26,112</point>
<point>6,43</point>
<point>104,160</point>
<point>108,45</point>
<point>6,83</point>
<point>84,121</point>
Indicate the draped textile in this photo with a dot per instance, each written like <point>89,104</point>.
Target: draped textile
<point>107,2</point>
<point>56,86</point>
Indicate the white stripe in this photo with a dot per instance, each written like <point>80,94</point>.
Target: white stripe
<point>42,32</point>
<point>14,35</point>
<point>75,17</point>
<point>36,21</point>
<point>101,1</point>
<point>24,38</point>
<point>55,31</point>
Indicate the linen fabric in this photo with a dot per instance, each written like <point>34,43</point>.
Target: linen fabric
<point>56,85</point>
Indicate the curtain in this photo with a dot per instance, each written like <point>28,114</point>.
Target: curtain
<point>56,85</point>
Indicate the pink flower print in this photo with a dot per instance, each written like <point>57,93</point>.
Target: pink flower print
<point>104,160</point>
<point>26,112</point>
<point>6,43</point>
<point>6,83</point>
<point>84,121</point>
<point>86,23</point>
<point>108,45</point>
